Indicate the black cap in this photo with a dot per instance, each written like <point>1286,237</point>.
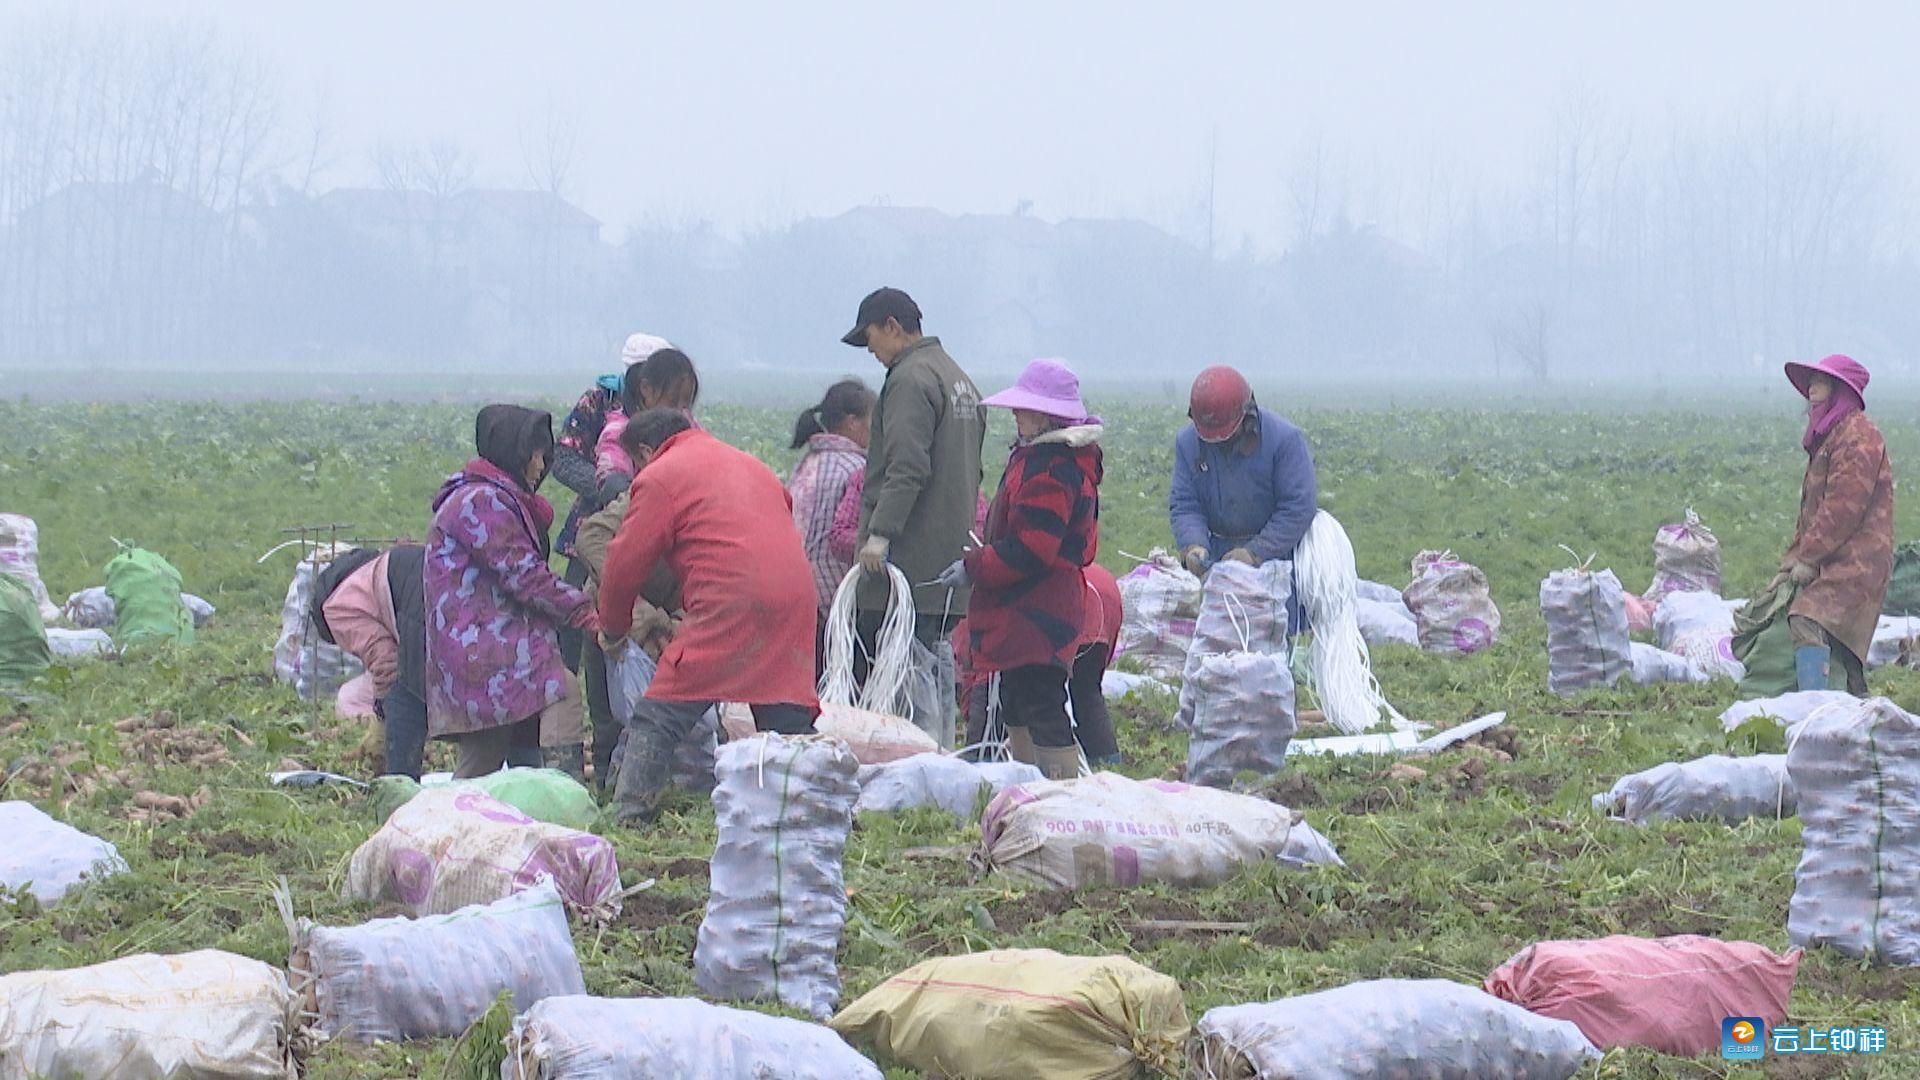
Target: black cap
<point>879,306</point>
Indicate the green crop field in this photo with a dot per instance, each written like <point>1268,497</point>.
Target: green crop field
<point>1449,874</point>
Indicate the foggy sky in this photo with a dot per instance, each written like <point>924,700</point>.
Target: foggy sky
<point>754,115</point>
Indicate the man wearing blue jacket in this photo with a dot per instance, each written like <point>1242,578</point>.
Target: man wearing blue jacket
<point>1243,479</point>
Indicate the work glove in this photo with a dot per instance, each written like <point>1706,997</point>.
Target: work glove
<point>1195,559</point>
<point>613,647</point>
<point>873,554</point>
<point>612,488</point>
<point>650,624</point>
<point>1242,555</point>
<point>955,576</point>
<point>1802,574</point>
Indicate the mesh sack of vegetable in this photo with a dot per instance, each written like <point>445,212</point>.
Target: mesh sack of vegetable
<point>1700,627</point>
<point>1587,642</point>
<point>1013,1014</point>
<point>301,657</point>
<point>20,556</point>
<point>1243,717</point>
<point>1108,829</point>
<point>1452,604</point>
<point>1160,602</point>
<point>1763,644</point>
<point>48,858</point>
<point>24,652</point>
<point>1857,888</point>
<point>395,979</point>
<point>198,1014</point>
<point>1653,665</point>
<point>1244,611</point>
<point>145,590</point>
<point>1686,558</point>
<point>451,847</point>
<point>1789,711</point>
<point>873,737</point>
<point>547,795</point>
<point>777,903</point>
<point>1671,994</point>
<point>1386,1027</point>
<point>949,783</point>
<point>590,1038</point>
<point>1903,589</point>
<point>1712,788</point>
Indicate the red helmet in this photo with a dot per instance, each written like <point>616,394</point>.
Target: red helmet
<point>1221,399</point>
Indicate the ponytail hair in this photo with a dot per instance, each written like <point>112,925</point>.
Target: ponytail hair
<point>848,399</point>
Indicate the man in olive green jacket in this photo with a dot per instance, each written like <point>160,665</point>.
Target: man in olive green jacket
<point>923,470</point>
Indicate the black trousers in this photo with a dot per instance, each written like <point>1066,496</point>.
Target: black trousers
<point>1092,723</point>
<point>1035,697</point>
<point>606,726</point>
<point>572,641</point>
<point>927,629</point>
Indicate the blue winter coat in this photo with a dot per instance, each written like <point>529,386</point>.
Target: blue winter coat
<point>1263,500</point>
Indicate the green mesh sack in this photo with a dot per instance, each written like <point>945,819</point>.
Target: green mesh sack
<point>23,637</point>
<point>146,599</point>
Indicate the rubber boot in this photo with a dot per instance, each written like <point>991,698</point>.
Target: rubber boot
<point>1810,664</point>
<point>1058,762</point>
<point>1020,744</point>
<point>646,767</point>
<point>571,760</point>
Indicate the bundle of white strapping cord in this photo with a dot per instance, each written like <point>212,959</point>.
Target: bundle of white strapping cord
<point>1327,582</point>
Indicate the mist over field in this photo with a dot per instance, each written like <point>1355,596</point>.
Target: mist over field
<point>210,198</point>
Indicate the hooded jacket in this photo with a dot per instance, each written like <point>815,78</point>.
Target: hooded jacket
<point>1043,530</point>
<point>494,607</point>
<point>375,612</point>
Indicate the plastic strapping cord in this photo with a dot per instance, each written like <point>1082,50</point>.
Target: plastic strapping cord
<point>779,873</point>
<point>1342,665</point>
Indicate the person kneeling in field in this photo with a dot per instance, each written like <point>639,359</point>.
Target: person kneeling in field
<point>723,523</point>
<point>1029,580</point>
<point>496,683</point>
<point>370,604</point>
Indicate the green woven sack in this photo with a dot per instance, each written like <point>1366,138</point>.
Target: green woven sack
<point>547,795</point>
<point>23,637</point>
<point>1903,591</point>
<point>1764,643</point>
<point>146,599</point>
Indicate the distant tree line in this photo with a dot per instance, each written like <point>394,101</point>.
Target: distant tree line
<point>160,207</point>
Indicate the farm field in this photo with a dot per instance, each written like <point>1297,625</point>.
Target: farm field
<point>1448,874</point>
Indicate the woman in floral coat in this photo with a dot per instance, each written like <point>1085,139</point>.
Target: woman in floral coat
<point>1842,552</point>
<point>494,608</point>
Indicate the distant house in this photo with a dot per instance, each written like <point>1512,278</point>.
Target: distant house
<point>526,262</point>
<point>95,266</point>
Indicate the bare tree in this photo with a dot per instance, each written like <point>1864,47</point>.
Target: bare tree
<point>547,150</point>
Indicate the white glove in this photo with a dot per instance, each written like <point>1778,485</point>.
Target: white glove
<point>873,554</point>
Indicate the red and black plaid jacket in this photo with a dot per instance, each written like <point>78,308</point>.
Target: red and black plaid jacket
<point>1043,530</point>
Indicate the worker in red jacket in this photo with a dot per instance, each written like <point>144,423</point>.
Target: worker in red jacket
<point>1099,632</point>
<point>1029,579</point>
<point>724,523</point>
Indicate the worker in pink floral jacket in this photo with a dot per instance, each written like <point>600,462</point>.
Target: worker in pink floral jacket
<point>495,608</point>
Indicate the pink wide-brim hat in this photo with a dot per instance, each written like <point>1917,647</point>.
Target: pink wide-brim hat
<point>1845,370</point>
<point>1046,386</point>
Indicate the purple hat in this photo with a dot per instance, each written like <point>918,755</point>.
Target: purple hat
<point>1046,386</point>
<point>1844,370</point>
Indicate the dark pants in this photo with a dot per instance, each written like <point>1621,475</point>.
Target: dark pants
<point>1091,723</point>
<point>927,629</point>
<point>659,727</point>
<point>572,641</point>
<point>1035,697</point>
<point>406,717</point>
<point>1809,632</point>
<point>484,752</point>
<point>607,726</point>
